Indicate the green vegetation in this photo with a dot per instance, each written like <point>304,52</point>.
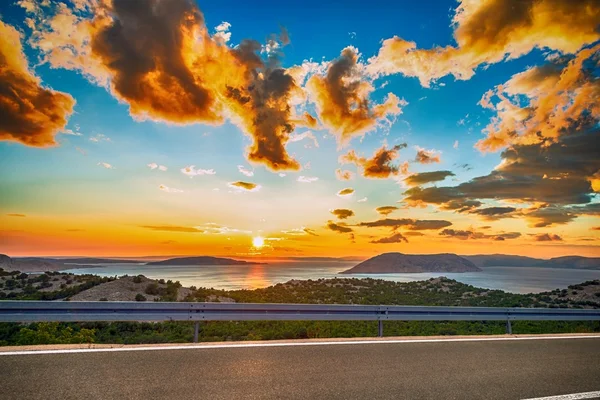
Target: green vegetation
<point>434,292</point>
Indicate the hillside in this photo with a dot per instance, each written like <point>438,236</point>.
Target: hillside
<point>502,260</point>
<point>202,260</point>
<point>28,265</point>
<point>389,263</point>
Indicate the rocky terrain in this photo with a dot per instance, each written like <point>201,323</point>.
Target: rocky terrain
<point>389,263</point>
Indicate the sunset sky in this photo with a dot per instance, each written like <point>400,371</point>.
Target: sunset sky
<point>313,128</point>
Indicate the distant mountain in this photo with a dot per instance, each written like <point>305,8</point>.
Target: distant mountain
<point>502,260</point>
<point>28,264</point>
<point>323,259</point>
<point>79,261</point>
<point>389,263</point>
<point>203,260</point>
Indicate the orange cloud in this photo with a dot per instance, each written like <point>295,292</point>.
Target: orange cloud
<point>345,192</point>
<point>340,228</point>
<point>379,166</point>
<point>30,114</point>
<point>342,98</point>
<point>159,58</point>
<point>490,31</point>
<point>169,228</point>
<point>249,186</point>
<point>557,93</point>
<point>386,210</point>
<point>395,238</point>
<point>343,175</point>
<point>342,213</point>
<point>547,237</point>
<point>426,156</point>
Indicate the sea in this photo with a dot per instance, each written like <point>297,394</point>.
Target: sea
<point>254,276</point>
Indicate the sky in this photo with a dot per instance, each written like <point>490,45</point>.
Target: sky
<point>280,129</point>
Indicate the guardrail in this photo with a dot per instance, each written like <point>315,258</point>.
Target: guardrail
<point>74,311</point>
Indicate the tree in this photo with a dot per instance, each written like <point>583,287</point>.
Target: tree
<point>140,297</point>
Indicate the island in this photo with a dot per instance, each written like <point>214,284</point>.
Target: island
<point>202,260</point>
<point>391,263</point>
<point>503,260</point>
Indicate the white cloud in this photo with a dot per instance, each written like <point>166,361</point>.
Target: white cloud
<point>222,32</point>
<point>245,171</point>
<point>352,35</point>
<point>455,145</point>
<point>100,138</point>
<point>364,199</point>
<point>281,174</point>
<point>169,190</point>
<point>162,168</point>
<point>191,171</point>
<point>155,166</point>
<point>106,165</point>
<point>304,135</point>
<point>307,179</point>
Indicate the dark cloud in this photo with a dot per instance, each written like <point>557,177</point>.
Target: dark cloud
<point>461,205</point>
<point>342,98</point>
<point>170,228</point>
<point>310,231</point>
<point>547,237</point>
<point>412,224</point>
<point>414,233</point>
<point>427,177</point>
<point>469,234</point>
<point>342,213</point>
<point>548,215</point>
<point>379,166</point>
<point>395,238</point>
<point>427,156</point>
<point>340,228</point>
<point>29,113</point>
<point>16,215</point>
<point>386,210</point>
<point>494,213</point>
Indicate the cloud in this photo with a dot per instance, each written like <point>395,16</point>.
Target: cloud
<point>543,103</point>
<point>31,114</point>
<point>488,32</point>
<point>106,165</point>
<point>155,166</point>
<point>304,135</point>
<point>342,213</point>
<point>426,156</point>
<point>16,215</point>
<point>310,231</point>
<point>345,192</point>
<point>455,145</point>
<point>468,234</point>
<point>100,138</point>
<point>386,210</point>
<point>363,200</point>
<point>191,171</point>
<point>169,190</point>
<point>494,213</point>
<point>340,228</point>
<point>412,224</point>
<point>379,166</point>
<point>170,228</point>
<point>547,237</point>
<point>548,215</point>
<point>160,59</point>
<point>342,98</point>
<point>395,238</point>
<point>427,177</point>
<point>222,32</point>
<point>244,171</point>
<point>248,186</point>
<point>307,179</point>
<point>343,175</point>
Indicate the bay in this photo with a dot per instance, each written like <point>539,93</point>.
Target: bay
<point>233,277</point>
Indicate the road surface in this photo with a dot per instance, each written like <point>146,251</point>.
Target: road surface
<point>475,369</point>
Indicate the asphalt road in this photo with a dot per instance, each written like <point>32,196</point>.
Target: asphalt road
<point>506,369</point>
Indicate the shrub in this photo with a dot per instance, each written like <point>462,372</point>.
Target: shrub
<point>137,279</point>
<point>140,297</point>
<point>103,299</point>
<point>152,289</point>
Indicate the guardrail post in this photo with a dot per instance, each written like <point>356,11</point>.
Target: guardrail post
<point>196,329</point>
<point>508,327</point>
<point>380,328</point>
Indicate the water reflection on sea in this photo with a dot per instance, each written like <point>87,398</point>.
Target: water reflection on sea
<point>229,277</point>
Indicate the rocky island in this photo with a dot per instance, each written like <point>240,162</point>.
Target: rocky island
<point>390,263</point>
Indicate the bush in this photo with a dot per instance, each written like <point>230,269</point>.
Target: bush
<point>137,279</point>
<point>152,289</point>
<point>103,299</point>
<point>140,297</point>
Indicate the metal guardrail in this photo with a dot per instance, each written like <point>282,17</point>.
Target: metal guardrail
<point>74,311</point>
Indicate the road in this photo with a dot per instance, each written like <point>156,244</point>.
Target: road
<point>497,369</point>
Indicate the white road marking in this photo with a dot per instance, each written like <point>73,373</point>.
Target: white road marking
<point>574,396</point>
<point>267,344</point>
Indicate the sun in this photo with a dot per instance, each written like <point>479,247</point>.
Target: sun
<point>258,242</point>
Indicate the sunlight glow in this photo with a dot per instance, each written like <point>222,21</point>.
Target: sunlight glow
<point>258,242</point>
